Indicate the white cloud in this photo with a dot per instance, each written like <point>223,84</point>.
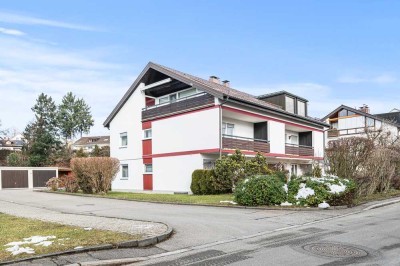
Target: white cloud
<point>11,32</point>
<point>29,68</point>
<point>379,79</point>
<point>30,20</point>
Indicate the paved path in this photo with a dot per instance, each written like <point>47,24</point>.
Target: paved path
<point>194,225</point>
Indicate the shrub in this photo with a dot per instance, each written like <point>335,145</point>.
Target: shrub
<point>311,191</point>
<point>95,173</point>
<point>260,190</point>
<point>195,185</point>
<point>69,182</point>
<point>52,183</point>
<point>16,159</point>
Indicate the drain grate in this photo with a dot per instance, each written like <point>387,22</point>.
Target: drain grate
<point>334,250</point>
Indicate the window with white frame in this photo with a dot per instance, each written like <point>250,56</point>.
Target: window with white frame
<point>148,168</point>
<point>147,134</point>
<point>124,139</point>
<point>124,171</point>
<point>187,93</point>
<point>289,104</point>
<point>228,129</point>
<point>301,108</point>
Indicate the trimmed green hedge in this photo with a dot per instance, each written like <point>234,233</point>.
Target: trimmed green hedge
<point>203,183</point>
<point>260,190</point>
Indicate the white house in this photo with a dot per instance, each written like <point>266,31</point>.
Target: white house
<point>170,123</point>
<point>345,122</point>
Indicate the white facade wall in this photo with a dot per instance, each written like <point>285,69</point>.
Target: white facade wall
<point>318,143</point>
<point>128,120</point>
<point>174,174</point>
<point>242,128</point>
<point>194,131</point>
<point>276,136</point>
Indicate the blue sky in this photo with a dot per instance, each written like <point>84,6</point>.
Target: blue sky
<point>331,52</point>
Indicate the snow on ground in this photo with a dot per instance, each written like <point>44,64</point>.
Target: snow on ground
<point>286,203</point>
<point>304,192</point>
<point>323,205</point>
<point>16,247</point>
<point>285,187</point>
<point>228,201</point>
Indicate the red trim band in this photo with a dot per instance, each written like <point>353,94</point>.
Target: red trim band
<point>172,154</point>
<point>268,118</point>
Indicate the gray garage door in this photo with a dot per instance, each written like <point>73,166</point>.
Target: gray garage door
<point>14,178</point>
<point>40,177</point>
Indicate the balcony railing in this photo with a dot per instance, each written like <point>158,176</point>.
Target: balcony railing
<point>333,133</point>
<point>300,150</point>
<point>243,143</point>
<point>181,105</point>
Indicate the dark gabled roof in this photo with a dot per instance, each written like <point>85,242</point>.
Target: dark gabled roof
<point>96,140</point>
<point>280,93</point>
<point>360,113</point>
<point>218,90</point>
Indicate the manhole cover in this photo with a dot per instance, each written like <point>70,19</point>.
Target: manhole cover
<point>335,250</point>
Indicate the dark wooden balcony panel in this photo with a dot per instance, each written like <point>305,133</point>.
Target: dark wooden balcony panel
<point>299,150</point>
<point>179,106</point>
<point>245,144</point>
<point>333,133</point>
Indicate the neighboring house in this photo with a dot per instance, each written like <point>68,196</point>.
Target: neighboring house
<point>10,144</point>
<point>87,144</point>
<point>170,123</point>
<point>345,121</point>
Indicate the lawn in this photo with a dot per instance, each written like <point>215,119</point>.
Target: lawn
<point>15,229</point>
<point>170,198</point>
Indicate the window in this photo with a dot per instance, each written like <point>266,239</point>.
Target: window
<point>124,139</point>
<point>148,168</point>
<point>334,125</point>
<point>370,122</point>
<point>293,169</point>
<point>147,134</point>
<point>125,171</point>
<point>227,128</point>
<point>289,104</point>
<point>343,112</point>
<point>172,98</point>
<point>163,100</point>
<point>301,108</point>
<point>187,93</point>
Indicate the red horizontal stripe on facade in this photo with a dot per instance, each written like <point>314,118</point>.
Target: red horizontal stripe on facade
<point>181,153</point>
<point>268,118</point>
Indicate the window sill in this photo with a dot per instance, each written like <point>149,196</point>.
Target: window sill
<point>124,178</point>
<point>148,173</point>
<point>123,147</point>
<point>146,138</point>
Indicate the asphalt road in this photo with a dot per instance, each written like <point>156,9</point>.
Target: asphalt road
<point>221,236</point>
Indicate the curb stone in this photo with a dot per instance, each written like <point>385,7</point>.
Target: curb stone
<point>379,205</point>
<point>126,244</point>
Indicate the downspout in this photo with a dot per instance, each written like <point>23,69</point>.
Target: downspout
<point>226,98</point>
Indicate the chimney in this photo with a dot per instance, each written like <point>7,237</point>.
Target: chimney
<point>364,109</point>
<point>214,79</point>
<point>226,83</point>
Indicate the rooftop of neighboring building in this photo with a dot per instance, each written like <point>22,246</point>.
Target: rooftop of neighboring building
<point>93,140</point>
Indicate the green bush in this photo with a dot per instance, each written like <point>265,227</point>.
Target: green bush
<point>203,183</point>
<point>323,190</point>
<point>260,190</point>
<point>195,185</point>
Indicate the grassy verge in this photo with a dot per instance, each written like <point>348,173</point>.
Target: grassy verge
<point>168,198</point>
<point>14,229</point>
<point>378,196</point>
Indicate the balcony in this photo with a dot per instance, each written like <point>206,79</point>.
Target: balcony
<point>300,150</point>
<point>193,102</point>
<point>247,144</point>
<point>333,133</point>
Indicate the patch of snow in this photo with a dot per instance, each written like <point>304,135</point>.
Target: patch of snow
<point>44,243</point>
<point>16,250</point>
<point>323,205</point>
<point>304,192</point>
<point>37,239</point>
<point>285,188</point>
<point>78,247</point>
<point>286,203</point>
<point>88,228</point>
<point>228,201</point>
<point>336,189</point>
